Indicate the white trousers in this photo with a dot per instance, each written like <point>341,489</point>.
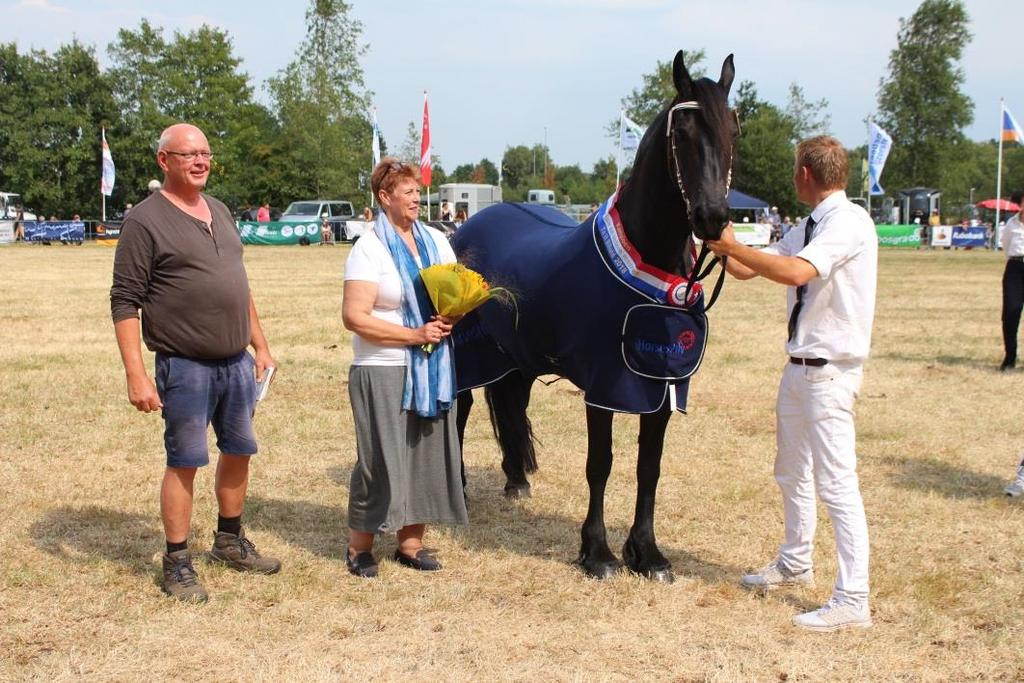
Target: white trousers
<point>817,452</point>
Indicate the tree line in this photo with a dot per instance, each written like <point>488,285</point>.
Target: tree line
<point>311,138</point>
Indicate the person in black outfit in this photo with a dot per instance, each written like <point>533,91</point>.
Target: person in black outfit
<point>1012,242</point>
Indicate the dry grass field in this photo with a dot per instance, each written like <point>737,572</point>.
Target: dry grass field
<point>940,431</point>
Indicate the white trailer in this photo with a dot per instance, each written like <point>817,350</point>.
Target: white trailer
<point>470,197</point>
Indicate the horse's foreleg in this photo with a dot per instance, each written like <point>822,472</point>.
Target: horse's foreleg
<point>596,558</point>
<point>640,552</point>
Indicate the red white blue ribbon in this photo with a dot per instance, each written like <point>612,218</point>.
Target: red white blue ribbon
<point>626,262</point>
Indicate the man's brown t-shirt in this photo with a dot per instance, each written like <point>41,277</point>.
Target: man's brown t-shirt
<point>189,282</point>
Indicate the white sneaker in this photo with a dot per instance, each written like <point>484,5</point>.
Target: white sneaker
<point>833,616</point>
<point>775,575</point>
<point>1016,487</point>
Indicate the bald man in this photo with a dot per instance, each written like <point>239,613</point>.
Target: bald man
<point>179,260</point>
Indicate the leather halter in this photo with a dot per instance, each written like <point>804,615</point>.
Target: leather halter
<point>697,275</point>
<point>674,157</point>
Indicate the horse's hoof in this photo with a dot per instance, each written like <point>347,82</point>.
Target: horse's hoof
<point>660,575</point>
<point>513,492</point>
<point>598,570</point>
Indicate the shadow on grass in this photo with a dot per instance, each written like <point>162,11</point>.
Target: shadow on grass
<point>926,474</point>
<point>99,534</point>
<point>320,529</point>
<point>944,360</point>
<point>496,524</point>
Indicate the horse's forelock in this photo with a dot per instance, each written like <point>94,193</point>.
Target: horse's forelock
<point>715,109</point>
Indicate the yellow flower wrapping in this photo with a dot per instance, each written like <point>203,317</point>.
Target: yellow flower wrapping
<point>455,290</point>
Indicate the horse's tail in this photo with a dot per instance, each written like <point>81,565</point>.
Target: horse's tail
<point>507,400</point>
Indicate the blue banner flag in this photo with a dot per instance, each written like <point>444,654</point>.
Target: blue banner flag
<point>879,144</point>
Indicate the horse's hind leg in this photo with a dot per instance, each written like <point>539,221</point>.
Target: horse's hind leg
<point>507,400</point>
<point>463,405</point>
<point>640,552</point>
<point>596,558</point>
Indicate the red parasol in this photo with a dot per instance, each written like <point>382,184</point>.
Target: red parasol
<point>1003,205</point>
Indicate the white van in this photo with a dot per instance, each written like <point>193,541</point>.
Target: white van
<point>9,207</point>
<point>337,212</point>
<point>540,197</point>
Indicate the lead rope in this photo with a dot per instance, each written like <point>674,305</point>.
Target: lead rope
<point>697,275</point>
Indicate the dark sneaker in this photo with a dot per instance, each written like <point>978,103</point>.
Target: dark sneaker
<point>239,553</point>
<point>180,580</point>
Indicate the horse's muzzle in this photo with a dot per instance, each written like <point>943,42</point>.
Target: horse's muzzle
<point>709,219</point>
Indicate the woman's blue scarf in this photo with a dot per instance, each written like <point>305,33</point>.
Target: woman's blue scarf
<point>429,378</point>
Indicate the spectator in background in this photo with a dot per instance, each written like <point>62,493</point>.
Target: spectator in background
<point>446,212</point>
<point>367,214</point>
<point>127,208</point>
<point>460,217</point>
<point>263,213</point>
<point>76,217</point>
<point>19,224</point>
<point>1012,242</point>
<point>246,213</point>
<point>326,234</point>
<point>787,225</point>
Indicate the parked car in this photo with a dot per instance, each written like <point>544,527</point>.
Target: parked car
<point>338,212</point>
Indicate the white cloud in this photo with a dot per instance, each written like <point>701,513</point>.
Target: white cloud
<point>44,5</point>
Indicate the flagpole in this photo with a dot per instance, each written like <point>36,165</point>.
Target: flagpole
<point>427,131</point>
<point>867,153</point>
<point>999,168</point>
<point>618,155</point>
<point>103,197</point>
<point>373,157</point>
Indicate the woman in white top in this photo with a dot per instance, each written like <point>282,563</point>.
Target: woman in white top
<point>408,471</point>
<point>1012,242</point>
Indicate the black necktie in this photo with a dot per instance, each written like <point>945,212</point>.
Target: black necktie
<point>808,229</point>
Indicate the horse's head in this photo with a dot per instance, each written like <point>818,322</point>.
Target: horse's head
<point>701,132</point>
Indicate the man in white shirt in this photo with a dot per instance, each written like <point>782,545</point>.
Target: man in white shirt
<point>829,263</point>
<point>1012,242</point>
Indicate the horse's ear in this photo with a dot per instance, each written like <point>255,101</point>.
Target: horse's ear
<point>728,72</point>
<point>681,77</point>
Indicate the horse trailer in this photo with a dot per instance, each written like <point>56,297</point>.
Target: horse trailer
<point>470,197</point>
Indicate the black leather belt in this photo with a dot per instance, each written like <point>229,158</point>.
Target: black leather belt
<point>813,362</point>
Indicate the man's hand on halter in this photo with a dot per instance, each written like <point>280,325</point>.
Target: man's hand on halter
<point>725,242</point>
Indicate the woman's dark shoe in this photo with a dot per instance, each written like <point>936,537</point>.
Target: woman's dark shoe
<point>364,565</point>
<point>1007,365</point>
<point>424,560</point>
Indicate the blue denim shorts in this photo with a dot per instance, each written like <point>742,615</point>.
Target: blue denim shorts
<point>196,393</point>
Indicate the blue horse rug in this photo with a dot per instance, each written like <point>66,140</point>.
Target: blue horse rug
<point>587,309</point>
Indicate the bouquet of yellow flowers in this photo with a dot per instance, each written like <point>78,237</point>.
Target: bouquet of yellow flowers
<point>455,290</point>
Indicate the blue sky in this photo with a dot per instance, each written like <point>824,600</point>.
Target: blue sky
<point>501,74</point>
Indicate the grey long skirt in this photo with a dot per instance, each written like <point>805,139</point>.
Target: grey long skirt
<point>408,468</point>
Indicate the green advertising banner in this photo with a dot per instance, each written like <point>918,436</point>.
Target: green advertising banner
<point>276,232</point>
<point>899,236</point>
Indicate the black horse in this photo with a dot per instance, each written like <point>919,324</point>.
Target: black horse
<point>678,188</point>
